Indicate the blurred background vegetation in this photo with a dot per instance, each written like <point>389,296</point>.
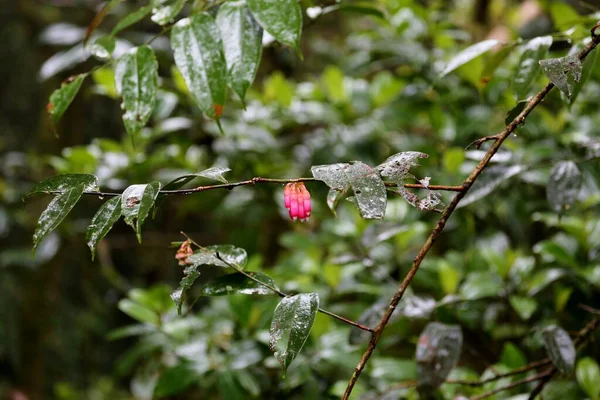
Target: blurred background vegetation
<point>368,87</point>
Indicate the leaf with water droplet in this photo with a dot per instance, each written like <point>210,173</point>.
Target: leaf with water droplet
<point>560,348</point>
<point>222,255</point>
<point>238,284</point>
<point>369,189</point>
<point>136,202</point>
<point>468,54</point>
<point>242,43</point>
<point>491,178</point>
<point>215,173</point>
<point>101,224</point>
<point>61,98</point>
<point>563,185</point>
<point>62,182</point>
<point>165,11</point>
<point>438,351</point>
<point>102,48</point>
<point>60,206</point>
<point>333,198</point>
<point>198,53</point>
<point>559,70</point>
<point>292,321</point>
<point>527,69</point>
<point>397,167</point>
<point>136,80</point>
<point>282,19</point>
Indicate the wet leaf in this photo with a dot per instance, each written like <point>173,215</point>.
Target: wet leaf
<point>238,284</point>
<point>165,11</point>
<point>62,182</point>
<point>139,312</point>
<point>242,44</point>
<point>560,348</point>
<point>199,56</point>
<point>438,351</point>
<point>98,18</point>
<point>491,178</point>
<point>136,79</point>
<point>527,69</point>
<point>397,167</point>
<point>61,98</point>
<point>468,54</point>
<point>136,202</point>
<point>589,66</point>
<point>524,306</point>
<point>215,173</point>
<point>60,206</point>
<point>101,224</point>
<point>563,185</point>
<point>588,376</point>
<point>190,274</point>
<point>369,190</point>
<point>292,321</point>
<point>131,19</point>
<point>370,318</point>
<point>333,198</point>
<point>102,48</point>
<point>559,69</point>
<point>282,19</point>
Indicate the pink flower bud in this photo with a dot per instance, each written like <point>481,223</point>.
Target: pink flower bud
<point>297,200</point>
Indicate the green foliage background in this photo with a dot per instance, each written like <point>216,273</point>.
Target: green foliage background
<point>369,86</point>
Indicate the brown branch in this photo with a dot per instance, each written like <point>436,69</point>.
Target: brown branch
<point>518,371</point>
<point>435,233</point>
<point>543,375</point>
<point>477,143</point>
<point>256,180</point>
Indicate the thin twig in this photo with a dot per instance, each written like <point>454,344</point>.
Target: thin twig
<point>518,371</point>
<point>435,233</point>
<point>477,143</point>
<point>543,375</point>
<point>279,292</point>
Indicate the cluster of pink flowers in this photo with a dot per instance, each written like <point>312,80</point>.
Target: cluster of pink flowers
<point>297,200</point>
<point>184,251</point>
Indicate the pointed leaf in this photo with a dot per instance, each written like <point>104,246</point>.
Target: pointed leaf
<point>131,19</point>
<point>136,202</point>
<point>63,182</point>
<point>333,198</point>
<point>98,18</point>
<point>524,306</point>
<point>56,211</point>
<point>527,70</point>
<point>563,185</point>
<point>190,274</point>
<point>370,318</point>
<point>101,224</point>
<point>136,79</point>
<point>560,348</point>
<point>139,312</point>
<point>491,178</point>
<point>282,19</point>
<point>166,10</point>
<point>175,379</point>
<point>212,255</point>
<point>102,48</point>
<point>292,321</point>
<point>589,65</point>
<point>237,284</point>
<point>438,351</point>
<point>242,43</point>
<point>199,56</point>
<point>61,98</point>
<point>559,69</point>
<point>588,376</point>
<point>396,168</point>
<point>468,54</point>
<point>369,189</point>
<point>215,173</point>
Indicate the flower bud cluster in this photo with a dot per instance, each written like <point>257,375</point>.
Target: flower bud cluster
<point>297,200</point>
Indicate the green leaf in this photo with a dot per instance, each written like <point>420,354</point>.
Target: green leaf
<point>512,357</point>
<point>589,66</point>
<point>479,285</point>
<point>384,88</point>
<point>368,188</point>
<point>363,8</point>
<point>563,15</point>
<point>165,11</point>
<point>131,19</point>
<point>438,351</point>
<point>588,376</point>
<point>174,380</point>
<point>237,284</point>
<point>333,198</point>
<point>139,312</point>
<point>101,224</point>
<point>292,320</point>
<point>199,56</point>
<point>215,173</point>
<point>468,54</point>
<point>136,202</point>
<point>136,79</point>
<point>190,274</point>
<point>563,185</point>
<point>397,167</point>
<point>212,255</point>
<point>559,69</point>
<point>543,278</point>
<point>527,69</point>
<point>524,306</point>
<point>63,182</point>
<point>491,178</point>
<point>560,348</point>
<point>333,82</point>
<point>282,19</point>
<point>56,211</point>
<point>449,277</point>
<point>61,98</point>
<point>242,44</point>
<point>102,48</point>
